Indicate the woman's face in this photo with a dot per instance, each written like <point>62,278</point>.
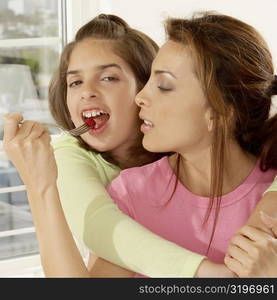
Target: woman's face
<point>101,85</point>
<point>173,106</point>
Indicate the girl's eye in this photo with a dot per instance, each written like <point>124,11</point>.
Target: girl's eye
<point>75,83</point>
<point>109,78</point>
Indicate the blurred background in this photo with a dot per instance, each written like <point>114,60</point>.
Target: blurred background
<point>32,35</point>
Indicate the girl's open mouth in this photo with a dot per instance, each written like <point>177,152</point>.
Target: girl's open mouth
<point>95,119</point>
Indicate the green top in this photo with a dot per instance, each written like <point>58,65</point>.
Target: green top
<point>94,218</point>
<point>273,187</point>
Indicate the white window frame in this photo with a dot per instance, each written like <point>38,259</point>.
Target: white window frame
<point>29,265</point>
<point>80,12</point>
<point>73,14</point>
<point>26,42</point>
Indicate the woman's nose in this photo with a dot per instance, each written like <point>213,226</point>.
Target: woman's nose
<point>140,100</point>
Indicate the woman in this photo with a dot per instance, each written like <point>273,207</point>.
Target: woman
<point>48,189</point>
<point>208,100</point>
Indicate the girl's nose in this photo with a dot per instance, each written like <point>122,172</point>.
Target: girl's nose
<point>88,95</point>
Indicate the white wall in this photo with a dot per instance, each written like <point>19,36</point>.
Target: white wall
<point>147,15</point>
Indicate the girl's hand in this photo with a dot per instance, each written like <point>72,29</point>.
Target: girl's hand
<point>252,253</point>
<point>28,147</point>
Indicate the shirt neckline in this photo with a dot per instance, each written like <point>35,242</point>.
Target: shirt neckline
<point>196,200</point>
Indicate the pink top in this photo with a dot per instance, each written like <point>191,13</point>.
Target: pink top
<point>144,194</point>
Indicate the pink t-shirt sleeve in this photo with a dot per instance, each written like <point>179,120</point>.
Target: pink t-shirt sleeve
<point>117,189</point>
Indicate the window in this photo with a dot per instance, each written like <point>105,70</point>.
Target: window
<point>31,39</point>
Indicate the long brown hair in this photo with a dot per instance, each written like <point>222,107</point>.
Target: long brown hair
<point>234,66</point>
<point>134,47</point>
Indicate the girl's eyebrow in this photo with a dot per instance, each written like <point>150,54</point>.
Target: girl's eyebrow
<point>157,72</point>
<point>100,67</point>
<point>72,72</point>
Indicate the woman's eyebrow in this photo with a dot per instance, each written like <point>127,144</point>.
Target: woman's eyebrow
<point>157,72</point>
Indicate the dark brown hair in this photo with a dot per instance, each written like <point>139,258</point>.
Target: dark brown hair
<point>133,46</point>
<point>235,68</point>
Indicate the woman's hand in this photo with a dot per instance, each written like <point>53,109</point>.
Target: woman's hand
<point>28,147</point>
<point>210,269</point>
<point>252,252</point>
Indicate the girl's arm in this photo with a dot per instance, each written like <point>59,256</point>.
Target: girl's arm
<point>91,213</point>
<point>29,149</point>
<point>101,268</point>
<point>96,221</point>
<point>59,254</point>
<point>84,201</point>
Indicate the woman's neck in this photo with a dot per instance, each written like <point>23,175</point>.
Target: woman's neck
<point>195,169</point>
<point>135,160</point>
<point>133,156</point>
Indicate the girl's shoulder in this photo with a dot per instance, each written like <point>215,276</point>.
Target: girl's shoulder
<point>64,140</point>
<point>68,148</point>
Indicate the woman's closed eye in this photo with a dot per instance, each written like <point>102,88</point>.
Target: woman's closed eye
<point>164,85</point>
<point>165,88</point>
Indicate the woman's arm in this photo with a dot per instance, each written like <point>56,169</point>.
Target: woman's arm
<point>253,250</point>
<point>253,253</point>
<point>267,204</point>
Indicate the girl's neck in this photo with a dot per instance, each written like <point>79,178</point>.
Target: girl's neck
<point>195,169</point>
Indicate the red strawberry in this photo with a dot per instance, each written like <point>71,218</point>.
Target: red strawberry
<point>90,122</point>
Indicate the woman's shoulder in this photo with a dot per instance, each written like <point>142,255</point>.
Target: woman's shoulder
<point>147,172</point>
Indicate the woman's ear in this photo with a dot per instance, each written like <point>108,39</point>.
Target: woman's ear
<point>224,120</point>
<point>209,116</point>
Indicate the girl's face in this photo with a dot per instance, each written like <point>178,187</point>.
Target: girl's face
<point>173,106</point>
<point>100,84</point>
